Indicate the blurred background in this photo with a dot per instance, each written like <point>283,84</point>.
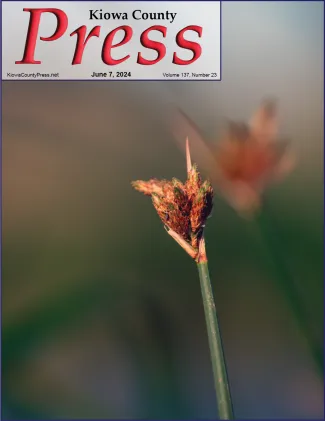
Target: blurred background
<point>101,310</point>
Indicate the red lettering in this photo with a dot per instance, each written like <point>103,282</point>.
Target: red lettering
<point>188,45</point>
<point>34,21</point>
<point>81,41</point>
<point>108,45</point>
<point>153,45</point>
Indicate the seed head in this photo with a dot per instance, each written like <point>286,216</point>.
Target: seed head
<point>248,158</point>
<point>183,208</point>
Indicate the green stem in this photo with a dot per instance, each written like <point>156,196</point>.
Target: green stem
<point>217,356</point>
<point>288,285</point>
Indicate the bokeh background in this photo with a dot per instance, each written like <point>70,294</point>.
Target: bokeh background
<point>101,310</point>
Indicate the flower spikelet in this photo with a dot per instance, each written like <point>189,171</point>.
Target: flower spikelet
<point>173,208</point>
<point>202,204</point>
<point>149,187</point>
<point>182,207</point>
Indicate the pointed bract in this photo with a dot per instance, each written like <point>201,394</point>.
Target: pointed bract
<point>188,156</point>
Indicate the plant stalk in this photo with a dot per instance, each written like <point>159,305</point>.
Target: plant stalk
<point>224,401</point>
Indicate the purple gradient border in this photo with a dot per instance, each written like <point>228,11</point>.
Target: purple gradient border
<point>122,80</point>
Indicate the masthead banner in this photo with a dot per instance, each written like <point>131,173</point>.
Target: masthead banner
<point>106,40</point>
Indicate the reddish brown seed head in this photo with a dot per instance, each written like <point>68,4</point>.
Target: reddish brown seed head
<point>183,208</point>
